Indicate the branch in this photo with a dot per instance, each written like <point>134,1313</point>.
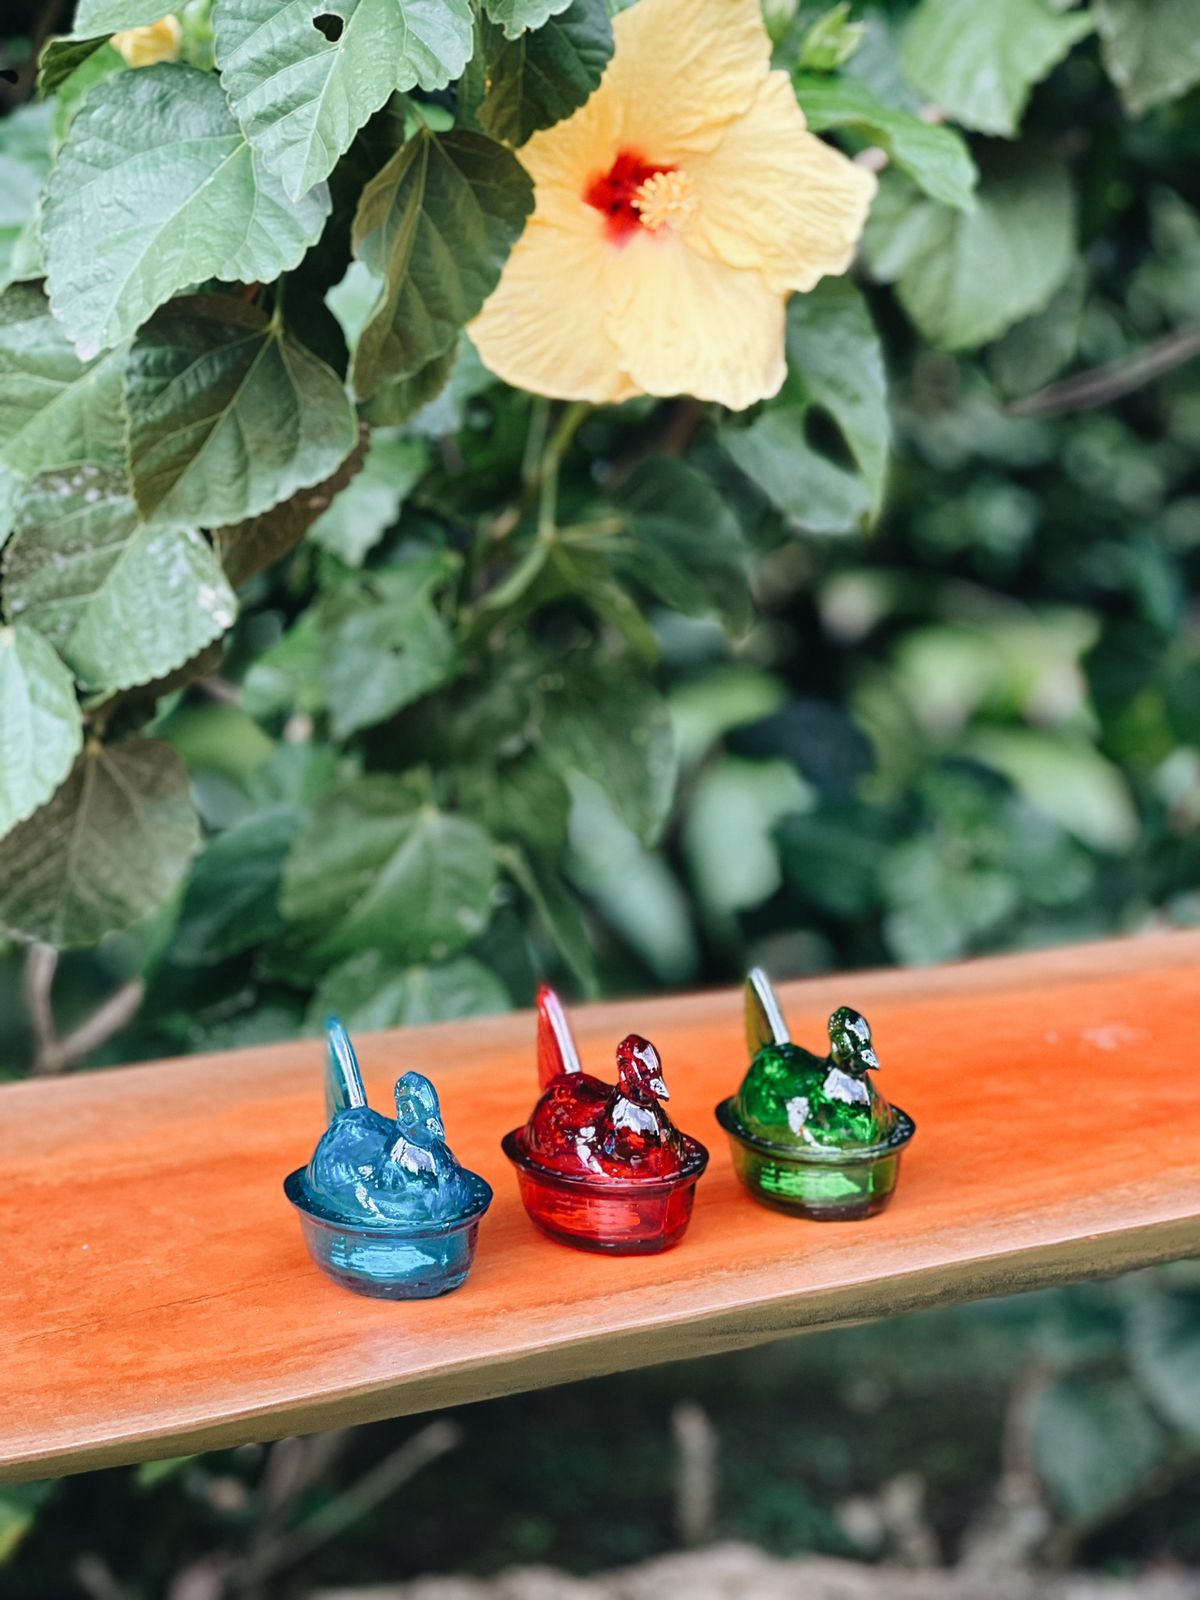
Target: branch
<point>345,1509</point>
<point>41,963</point>
<point>52,1054</point>
<point>1100,385</point>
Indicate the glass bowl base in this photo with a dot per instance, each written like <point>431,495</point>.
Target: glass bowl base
<point>822,1192</point>
<point>387,1263</point>
<point>627,1219</point>
<point>392,1269</point>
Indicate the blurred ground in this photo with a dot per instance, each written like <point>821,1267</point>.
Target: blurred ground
<point>735,1572</point>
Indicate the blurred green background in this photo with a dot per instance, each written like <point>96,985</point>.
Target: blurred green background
<point>971,726</point>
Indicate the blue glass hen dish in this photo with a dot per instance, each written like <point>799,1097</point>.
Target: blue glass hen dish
<point>385,1208</point>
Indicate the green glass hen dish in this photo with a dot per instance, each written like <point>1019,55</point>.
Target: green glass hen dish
<point>812,1135</point>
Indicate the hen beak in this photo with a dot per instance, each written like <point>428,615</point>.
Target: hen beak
<point>868,1060</point>
<point>659,1088</point>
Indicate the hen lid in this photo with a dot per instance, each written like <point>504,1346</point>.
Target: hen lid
<point>793,1098</point>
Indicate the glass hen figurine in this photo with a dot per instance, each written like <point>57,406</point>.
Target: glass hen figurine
<point>385,1207</point>
<point>602,1166</point>
<point>812,1134</point>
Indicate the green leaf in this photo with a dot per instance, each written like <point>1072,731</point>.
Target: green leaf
<point>108,849</point>
<point>361,515</point>
<point>232,899</point>
<point>287,677</point>
<point>205,208</point>
<point>728,833</point>
<point>1094,1443</point>
<point>540,78</point>
<point>398,400</point>
<point>835,365</point>
<point>814,493</point>
<point>367,992</point>
<point>250,547</point>
<point>635,891</point>
<point>835,362</point>
<point>558,911</point>
<point>606,724</point>
<point>978,63</point>
<point>149,1474</point>
<point>384,644</point>
<point>77,82</point>
<point>228,414</point>
<point>375,870</point>
<point>110,16</point>
<point>25,138</point>
<point>966,277</point>
<point>831,40</point>
<point>436,225</point>
<point>301,96</point>
<point>446,410</point>
<point>518,798</point>
<point>518,16</point>
<point>19,1504</point>
<point>62,58</point>
<point>935,157</point>
<point>682,542</point>
<point>705,708</point>
<point>572,569</point>
<point>41,731</point>
<point>940,910</point>
<point>122,603</point>
<point>1165,1347</point>
<point>1036,350</point>
<point>1068,778</point>
<point>55,410</point>
<point>1151,48</point>
<point>11,493</point>
<point>832,857</point>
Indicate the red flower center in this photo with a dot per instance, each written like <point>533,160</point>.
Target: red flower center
<point>613,192</point>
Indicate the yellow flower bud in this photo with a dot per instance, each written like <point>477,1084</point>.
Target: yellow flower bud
<point>143,47</point>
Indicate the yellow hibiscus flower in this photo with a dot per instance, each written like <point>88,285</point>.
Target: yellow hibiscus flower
<point>144,47</point>
<point>675,213</point>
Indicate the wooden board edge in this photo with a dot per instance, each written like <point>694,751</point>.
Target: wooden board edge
<point>591,1356</point>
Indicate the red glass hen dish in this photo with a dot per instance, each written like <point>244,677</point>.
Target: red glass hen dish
<point>602,1166</point>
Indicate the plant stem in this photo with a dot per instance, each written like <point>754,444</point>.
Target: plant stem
<point>1101,385</point>
<point>345,1509</point>
<point>560,442</point>
<point>535,441</point>
<point>52,1054</point>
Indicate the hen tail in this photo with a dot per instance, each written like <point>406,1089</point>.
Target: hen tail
<point>556,1051</point>
<point>343,1076</point>
<point>764,1018</point>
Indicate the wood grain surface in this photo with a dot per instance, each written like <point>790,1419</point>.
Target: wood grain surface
<point>155,1296</point>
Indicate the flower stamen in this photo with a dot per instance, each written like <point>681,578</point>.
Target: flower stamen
<point>636,193</point>
<point>665,200</point>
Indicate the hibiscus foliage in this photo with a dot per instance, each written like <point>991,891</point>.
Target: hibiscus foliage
<point>446,663</point>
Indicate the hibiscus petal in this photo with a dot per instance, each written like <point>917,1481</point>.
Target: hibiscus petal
<point>563,159</point>
<point>684,324</point>
<point>544,327</point>
<point>773,197</point>
<point>683,68</point>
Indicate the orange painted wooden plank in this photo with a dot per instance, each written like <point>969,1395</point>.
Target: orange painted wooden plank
<point>155,1296</point>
